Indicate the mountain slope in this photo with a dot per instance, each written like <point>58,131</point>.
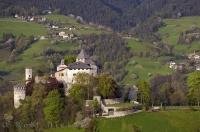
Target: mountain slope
<point>119,15</point>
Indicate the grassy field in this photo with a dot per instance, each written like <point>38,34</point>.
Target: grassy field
<point>139,46</point>
<point>32,58</point>
<point>20,27</point>
<point>64,129</point>
<point>165,121</point>
<point>81,29</point>
<point>143,67</point>
<point>170,33</point>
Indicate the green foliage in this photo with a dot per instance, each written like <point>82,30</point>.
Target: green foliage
<point>25,114</point>
<point>107,87</point>
<point>53,106</point>
<point>78,92</point>
<point>193,82</point>
<point>69,59</point>
<point>144,92</point>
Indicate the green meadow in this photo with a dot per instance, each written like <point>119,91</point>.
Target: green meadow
<point>163,121</point>
<point>142,67</point>
<point>174,27</point>
<point>80,29</point>
<point>17,27</point>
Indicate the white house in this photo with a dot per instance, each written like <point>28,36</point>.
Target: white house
<point>172,65</point>
<point>67,73</point>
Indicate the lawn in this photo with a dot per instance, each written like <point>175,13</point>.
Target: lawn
<point>144,68</point>
<point>18,27</point>
<point>165,121</point>
<point>139,46</point>
<point>64,129</point>
<point>170,33</point>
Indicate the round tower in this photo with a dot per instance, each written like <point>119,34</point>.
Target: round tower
<point>28,75</point>
<point>19,94</point>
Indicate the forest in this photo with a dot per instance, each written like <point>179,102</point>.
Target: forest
<point>120,15</point>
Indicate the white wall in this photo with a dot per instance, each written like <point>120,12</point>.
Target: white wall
<point>18,95</point>
<point>72,73</point>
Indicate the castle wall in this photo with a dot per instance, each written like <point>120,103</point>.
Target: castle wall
<point>19,94</point>
<point>72,73</point>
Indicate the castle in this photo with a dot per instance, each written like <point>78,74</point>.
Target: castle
<point>83,64</point>
<point>64,74</point>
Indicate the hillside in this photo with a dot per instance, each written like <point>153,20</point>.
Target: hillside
<point>119,15</point>
<point>32,56</point>
<point>172,30</point>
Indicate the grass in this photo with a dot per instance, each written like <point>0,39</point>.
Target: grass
<point>8,25</point>
<point>170,33</point>
<point>143,68</point>
<point>64,129</point>
<point>81,29</point>
<point>164,121</point>
<point>32,58</point>
<point>138,46</point>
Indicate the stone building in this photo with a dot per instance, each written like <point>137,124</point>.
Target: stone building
<point>67,73</point>
<point>20,88</point>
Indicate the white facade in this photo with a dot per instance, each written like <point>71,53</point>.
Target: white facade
<point>28,74</point>
<point>66,74</point>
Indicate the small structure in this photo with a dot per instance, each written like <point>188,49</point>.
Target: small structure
<point>198,67</point>
<point>54,27</point>
<point>172,65</point>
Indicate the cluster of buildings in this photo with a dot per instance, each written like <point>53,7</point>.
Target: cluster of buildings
<point>64,35</point>
<point>193,57</point>
<point>65,74</point>
<point>38,19</point>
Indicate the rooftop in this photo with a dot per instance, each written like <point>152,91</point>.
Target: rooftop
<point>82,55</point>
<point>78,65</point>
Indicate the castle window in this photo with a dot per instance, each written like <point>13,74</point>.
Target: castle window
<point>62,74</point>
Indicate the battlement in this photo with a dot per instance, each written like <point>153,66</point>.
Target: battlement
<point>19,87</point>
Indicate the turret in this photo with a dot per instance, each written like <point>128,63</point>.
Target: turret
<point>82,56</point>
<point>19,94</point>
<point>28,75</point>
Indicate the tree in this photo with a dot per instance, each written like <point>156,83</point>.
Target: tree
<point>193,82</point>
<point>69,59</point>
<point>78,92</point>
<point>144,92</point>
<point>107,87</point>
<point>89,82</point>
<point>53,107</point>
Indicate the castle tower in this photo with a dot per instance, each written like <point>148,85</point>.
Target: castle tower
<point>19,94</point>
<point>28,75</point>
<point>82,56</point>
